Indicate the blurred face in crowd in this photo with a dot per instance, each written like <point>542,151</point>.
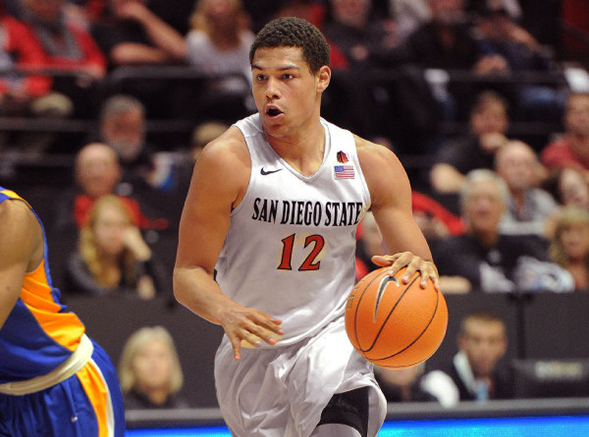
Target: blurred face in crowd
<point>483,207</point>
<point>484,343</point>
<point>353,13</point>
<point>447,12</point>
<point>44,10</point>
<point>517,164</point>
<point>109,228</point>
<point>221,14</point>
<point>490,118</point>
<point>574,239</point>
<point>97,170</point>
<point>577,115</point>
<point>125,132</point>
<point>153,366</point>
<point>400,377</point>
<point>573,188</point>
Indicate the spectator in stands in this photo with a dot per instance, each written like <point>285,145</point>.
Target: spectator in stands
<point>97,173</point>
<point>572,148</point>
<point>314,11</point>
<point>568,186</point>
<point>488,122</point>
<point>401,107</point>
<point>67,45</point>
<point>570,244</point>
<point>218,45</point>
<point>129,33</point>
<point>434,220</point>
<point>409,15</point>
<point>490,261</point>
<point>528,208</point>
<point>475,369</point>
<point>29,95</point>
<point>122,125</point>
<point>404,385</point>
<point>446,43</point>
<point>150,372</point>
<point>112,257</point>
<point>219,39</point>
<point>363,39</point>
<point>498,35</point>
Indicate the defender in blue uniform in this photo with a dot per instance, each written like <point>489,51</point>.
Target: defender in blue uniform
<point>54,380</point>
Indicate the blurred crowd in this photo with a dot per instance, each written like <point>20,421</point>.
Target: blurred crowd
<point>486,103</point>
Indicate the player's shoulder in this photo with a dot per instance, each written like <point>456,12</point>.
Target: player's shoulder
<point>16,215</point>
<point>15,209</point>
<point>228,148</point>
<point>372,154</point>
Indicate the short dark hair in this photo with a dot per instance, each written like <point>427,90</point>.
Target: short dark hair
<point>294,32</point>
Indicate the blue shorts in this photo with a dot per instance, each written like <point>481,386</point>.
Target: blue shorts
<point>88,404</point>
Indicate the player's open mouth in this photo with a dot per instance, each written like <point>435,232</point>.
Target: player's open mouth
<point>273,112</point>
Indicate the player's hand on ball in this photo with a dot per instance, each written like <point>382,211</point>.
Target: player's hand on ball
<point>414,263</point>
<point>248,327</point>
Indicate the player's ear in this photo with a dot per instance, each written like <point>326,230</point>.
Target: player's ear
<point>323,78</point>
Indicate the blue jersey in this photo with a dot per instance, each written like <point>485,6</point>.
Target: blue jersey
<point>52,376</point>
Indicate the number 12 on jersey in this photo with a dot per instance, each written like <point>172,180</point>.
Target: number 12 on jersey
<point>315,244</point>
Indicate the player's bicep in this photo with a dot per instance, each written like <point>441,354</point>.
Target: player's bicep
<point>207,211</point>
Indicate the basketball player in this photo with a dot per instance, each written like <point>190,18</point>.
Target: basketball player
<point>272,209</point>
<point>54,380</point>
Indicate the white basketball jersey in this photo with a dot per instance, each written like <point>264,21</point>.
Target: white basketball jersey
<point>290,250</point>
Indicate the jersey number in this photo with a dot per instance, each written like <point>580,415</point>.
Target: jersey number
<point>309,263</point>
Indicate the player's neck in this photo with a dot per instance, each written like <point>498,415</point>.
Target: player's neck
<point>303,150</point>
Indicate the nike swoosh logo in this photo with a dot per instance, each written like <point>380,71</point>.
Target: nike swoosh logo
<point>381,289</point>
<point>267,172</point>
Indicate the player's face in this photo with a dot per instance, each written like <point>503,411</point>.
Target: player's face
<point>287,94</point>
<point>153,365</point>
<point>484,344</point>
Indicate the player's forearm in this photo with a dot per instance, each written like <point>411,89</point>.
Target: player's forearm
<point>196,289</point>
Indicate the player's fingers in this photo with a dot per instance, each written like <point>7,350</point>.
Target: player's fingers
<point>408,260</point>
<point>262,323</point>
<point>235,345</point>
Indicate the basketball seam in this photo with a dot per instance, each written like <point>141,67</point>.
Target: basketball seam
<point>382,325</point>
<point>418,337</point>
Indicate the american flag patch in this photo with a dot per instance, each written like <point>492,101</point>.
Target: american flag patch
<point>343,171</point>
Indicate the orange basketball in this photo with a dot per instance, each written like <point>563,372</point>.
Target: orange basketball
<point>393,324</point>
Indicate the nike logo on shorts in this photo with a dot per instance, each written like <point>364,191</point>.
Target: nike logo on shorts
<point>267,172</point>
